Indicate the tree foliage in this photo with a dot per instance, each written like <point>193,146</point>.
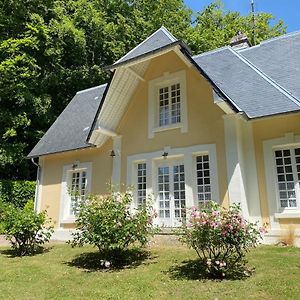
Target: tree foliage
<point>51,49</point>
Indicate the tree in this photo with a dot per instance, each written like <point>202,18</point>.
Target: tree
<point>214,27</point>
<point>51,49</point>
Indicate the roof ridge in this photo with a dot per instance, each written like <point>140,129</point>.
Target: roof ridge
<point>168,33</point>
<point>276,38</point>
<point>91,88</point>
<point>162,28</point>
<point>210,52</point>
<point>266,77</point>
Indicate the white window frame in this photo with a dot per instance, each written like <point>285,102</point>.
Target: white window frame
<point>276,212</point>
<point>295,178</point>
<point>188,156</point>
<point>65,201</point>
<point>167,80</point>
<point>136,204</point>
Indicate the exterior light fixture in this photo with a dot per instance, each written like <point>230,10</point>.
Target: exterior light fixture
<point>74,166</point>
<point>165,155</point>
<point>112,153</point>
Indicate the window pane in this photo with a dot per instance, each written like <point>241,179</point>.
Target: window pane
<point>285,168</point>
<point>141,184</point>
<point>203,178</point>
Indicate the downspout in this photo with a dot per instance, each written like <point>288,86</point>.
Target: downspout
<point>36,197</point>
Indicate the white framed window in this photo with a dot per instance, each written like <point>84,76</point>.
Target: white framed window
<point>167,103</point>
<point>203,178</point>
<point>287,162</point>
<point>75,186</point>
<point>281,186</point>
<point>141,184</point>
<point>174,183</point>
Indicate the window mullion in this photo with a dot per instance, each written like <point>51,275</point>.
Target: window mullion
<point>169,106</point>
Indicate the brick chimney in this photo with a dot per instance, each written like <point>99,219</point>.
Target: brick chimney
<point>240,41</point>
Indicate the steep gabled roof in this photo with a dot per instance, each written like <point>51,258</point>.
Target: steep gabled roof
<point>260,81</point>
<point>71,128</point>
<point>160,39</point>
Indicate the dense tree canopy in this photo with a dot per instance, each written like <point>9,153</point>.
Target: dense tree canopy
<point>52,48</point>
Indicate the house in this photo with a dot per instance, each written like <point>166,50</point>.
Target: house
<point>222,125</point>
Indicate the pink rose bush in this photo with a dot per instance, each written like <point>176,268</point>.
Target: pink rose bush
<point>108,223</point>
<point>221,237</point>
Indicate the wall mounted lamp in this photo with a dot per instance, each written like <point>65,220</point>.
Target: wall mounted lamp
<point>165,155</point>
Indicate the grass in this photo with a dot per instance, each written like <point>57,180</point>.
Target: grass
<point>66,273</point>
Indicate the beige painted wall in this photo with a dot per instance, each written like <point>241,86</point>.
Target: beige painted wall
<point>266,129</point>
<point>53,172</point>
<point>205,122</point>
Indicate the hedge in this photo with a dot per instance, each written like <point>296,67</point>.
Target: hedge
<point>17,192</point>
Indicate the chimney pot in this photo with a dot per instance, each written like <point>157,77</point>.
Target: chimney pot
<point>240,41</point>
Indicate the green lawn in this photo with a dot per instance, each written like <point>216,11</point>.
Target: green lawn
<point>61,273</point>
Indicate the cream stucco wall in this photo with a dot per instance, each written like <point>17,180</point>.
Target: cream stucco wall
<point>52,173</point>
<point>267,129</point>
<point>205,121</point>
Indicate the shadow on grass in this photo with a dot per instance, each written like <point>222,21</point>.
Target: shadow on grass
<point>111,261</point>
<point>12,253</point>
<point>195,270</point>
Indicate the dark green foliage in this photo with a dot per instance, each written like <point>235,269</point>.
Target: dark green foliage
<point>51,49</point>
<point>17,192</point>
<point>26,230</point>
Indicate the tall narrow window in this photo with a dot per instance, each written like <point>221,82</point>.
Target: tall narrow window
<point>169,105</point>
<point>77,190</point>
<point>203,179</point>
<point>288,176</point>
<point>179,191</point>
<point>141,184</point>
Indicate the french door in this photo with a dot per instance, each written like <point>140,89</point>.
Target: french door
<point>171,193</point>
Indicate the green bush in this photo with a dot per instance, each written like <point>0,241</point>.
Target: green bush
<point>26,229</point>
<point>221,238</point>
<point>17,192</point>
<point>108,223</point>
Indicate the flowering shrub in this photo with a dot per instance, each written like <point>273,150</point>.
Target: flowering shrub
<point>26,229</point>
<point>108,223</point>
<point>221,237</point>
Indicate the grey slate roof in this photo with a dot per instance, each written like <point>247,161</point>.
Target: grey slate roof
<point>71,128</point>
<point>279,58</point>
<point>159,39</point>
<point>260,81</point>
<point>245,86</point>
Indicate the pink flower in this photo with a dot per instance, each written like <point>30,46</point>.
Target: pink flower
<point>215,213</point>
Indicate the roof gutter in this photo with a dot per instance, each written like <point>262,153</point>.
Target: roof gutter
<point>36,195</point>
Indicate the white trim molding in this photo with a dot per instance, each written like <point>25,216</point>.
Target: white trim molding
<point>153,106</point>
<point>241,166</point>
<point>269,146</point>
<point>188,156</point>
<point>65,217</point>
<point>39,187</point>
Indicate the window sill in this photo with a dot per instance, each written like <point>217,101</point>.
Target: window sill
<point>168,127</point>
<point>292,214</point>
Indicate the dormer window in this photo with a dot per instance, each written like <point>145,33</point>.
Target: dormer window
<point>167,103</point>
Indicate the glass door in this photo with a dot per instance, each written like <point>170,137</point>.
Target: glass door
<point>171,193</point>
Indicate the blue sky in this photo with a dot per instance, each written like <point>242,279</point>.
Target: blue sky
<point>287,10</point>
